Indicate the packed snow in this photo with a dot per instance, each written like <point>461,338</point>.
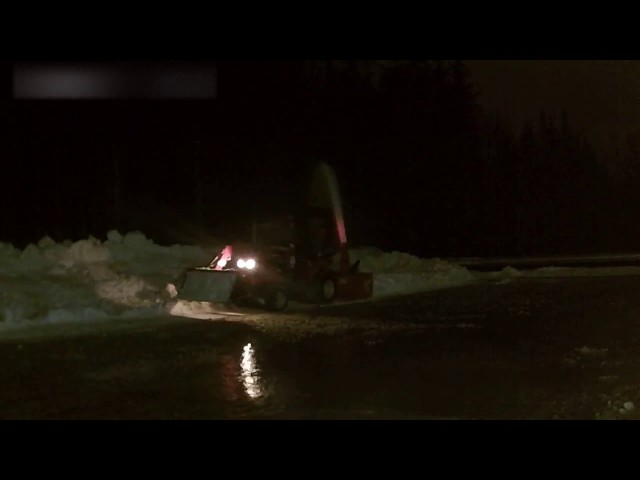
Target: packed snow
<point>123,277</point>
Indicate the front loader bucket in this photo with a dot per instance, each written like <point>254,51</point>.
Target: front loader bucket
<point>206,285</point>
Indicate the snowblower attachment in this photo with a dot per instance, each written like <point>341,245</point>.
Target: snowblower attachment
<point>324,195</point>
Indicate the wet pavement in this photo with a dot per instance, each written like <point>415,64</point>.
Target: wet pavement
<point>526,349</point>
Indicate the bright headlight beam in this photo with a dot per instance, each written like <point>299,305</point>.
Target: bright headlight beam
<point>240,263</point>
<point>250,264</point>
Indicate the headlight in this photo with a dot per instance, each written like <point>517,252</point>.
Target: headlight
<point>248,263</point>
<point>222,263</point>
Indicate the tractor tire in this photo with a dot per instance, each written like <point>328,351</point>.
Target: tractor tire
<point>326,289</point>
<point>276,300</point>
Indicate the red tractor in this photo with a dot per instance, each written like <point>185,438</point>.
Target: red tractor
<point>304,258</point>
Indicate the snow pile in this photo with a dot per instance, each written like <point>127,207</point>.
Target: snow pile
<point>123,276</point>
<point>89,280</point>
<point>398,273</point>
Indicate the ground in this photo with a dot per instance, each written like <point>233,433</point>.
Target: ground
<point>561,348</point>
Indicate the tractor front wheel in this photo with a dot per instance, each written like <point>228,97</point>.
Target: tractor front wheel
<point>277,300</point>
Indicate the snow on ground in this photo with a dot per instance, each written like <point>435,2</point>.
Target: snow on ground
<point>122,277</point>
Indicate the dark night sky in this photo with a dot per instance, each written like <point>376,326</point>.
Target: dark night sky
<point>599,93</point>
<point>601,96</point>
<point>74,140</point>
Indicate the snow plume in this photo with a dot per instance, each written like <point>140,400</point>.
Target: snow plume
<point>89,280</point>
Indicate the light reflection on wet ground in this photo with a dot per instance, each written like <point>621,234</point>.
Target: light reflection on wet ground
<point>519,350</point>
<point>250,373</point>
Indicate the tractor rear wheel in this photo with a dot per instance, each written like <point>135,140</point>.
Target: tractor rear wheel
<point>326,289</point>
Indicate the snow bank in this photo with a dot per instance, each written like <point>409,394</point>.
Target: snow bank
<point>581,271</point>
<point>509,273</point>
<point>92,280</point>
<point>398,273</point>
<point>89,280</point>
